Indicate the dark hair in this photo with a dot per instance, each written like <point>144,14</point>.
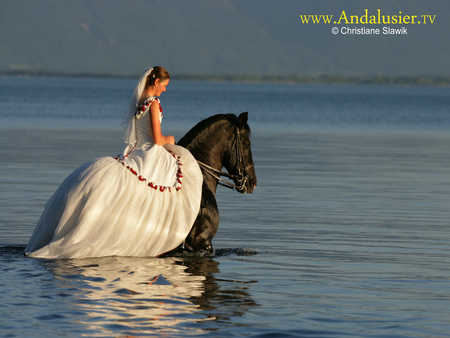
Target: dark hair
<point>157,73</point>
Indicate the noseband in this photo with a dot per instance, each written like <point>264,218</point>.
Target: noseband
<point>242,177</point>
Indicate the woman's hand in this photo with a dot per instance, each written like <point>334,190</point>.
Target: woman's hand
<point>171,139</point>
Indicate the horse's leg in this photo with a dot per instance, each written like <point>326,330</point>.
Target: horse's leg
<point>206,224</point>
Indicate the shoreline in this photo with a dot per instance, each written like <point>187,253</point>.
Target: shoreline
<point>407,80</point>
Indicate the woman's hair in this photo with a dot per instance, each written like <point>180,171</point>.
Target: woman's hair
<point>157,73</point>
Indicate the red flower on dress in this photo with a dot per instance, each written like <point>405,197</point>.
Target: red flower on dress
<point>151,184</point>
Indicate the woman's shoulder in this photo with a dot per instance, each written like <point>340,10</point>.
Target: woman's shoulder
<point>152,99</point>
<point>148,101</point>
<point>145,105</point>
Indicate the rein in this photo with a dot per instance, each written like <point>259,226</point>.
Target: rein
<point>241,178</point>
<point>217,173</point>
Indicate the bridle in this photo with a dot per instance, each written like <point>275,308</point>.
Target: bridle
<point>242,177</point>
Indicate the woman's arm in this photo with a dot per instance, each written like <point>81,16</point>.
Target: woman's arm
<point>155,124</point>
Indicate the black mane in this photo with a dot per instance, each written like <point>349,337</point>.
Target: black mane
<point>205,126</point>
<point>202,139</point>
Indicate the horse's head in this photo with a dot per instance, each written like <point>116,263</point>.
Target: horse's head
<point>240,161</point>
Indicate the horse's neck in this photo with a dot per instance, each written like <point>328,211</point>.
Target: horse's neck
<point>211,144</point>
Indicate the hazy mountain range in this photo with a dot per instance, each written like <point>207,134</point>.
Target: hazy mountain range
<point>220,37</point>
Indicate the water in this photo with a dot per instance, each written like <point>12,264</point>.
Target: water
<point>346,234</point>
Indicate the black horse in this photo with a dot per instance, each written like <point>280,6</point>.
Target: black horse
<point>216,142</point>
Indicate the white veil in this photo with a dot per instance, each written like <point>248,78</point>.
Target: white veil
<point>128,121</point>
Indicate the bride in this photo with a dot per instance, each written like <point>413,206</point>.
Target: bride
<point>140,203</point>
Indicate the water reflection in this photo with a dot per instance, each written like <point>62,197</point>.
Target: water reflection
<point>127,295</point>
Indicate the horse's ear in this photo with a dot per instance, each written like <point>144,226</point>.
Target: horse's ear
<point>243,118</point>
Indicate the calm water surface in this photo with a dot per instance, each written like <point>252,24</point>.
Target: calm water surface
<point>346,235</point>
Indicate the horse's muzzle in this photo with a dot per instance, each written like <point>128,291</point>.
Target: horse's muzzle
<point>247,187</point>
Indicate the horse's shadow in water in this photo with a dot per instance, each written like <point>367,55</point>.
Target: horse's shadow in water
<point>106,291</point>
<point>217,142</point>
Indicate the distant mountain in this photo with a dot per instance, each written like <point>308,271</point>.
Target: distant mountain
<point>123,37</point>
<point>214,37</point>
<point>425,50</point>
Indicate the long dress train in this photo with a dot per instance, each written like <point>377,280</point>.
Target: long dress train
<point>142,203</point>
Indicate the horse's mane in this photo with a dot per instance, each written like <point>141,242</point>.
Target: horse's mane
<point>205,125</point>
<point>199,140</point>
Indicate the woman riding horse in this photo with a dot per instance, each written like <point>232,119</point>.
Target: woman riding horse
<point>143,202</point>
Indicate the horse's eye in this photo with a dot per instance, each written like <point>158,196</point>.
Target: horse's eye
<point>247,145</point>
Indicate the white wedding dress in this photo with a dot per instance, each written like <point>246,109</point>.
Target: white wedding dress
<point>142,203</point>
